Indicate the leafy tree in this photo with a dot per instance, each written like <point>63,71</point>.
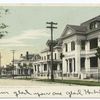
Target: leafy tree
<point>3,26</point>
<point>24,65</point>
<point>30,65</point>
<point>98,52</point>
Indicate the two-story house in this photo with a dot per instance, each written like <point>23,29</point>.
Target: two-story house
<point>79,48</point>
<point>46,61</point>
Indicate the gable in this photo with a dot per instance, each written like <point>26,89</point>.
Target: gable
<point>67,31</point>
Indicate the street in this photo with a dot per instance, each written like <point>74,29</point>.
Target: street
<point>17,82</point>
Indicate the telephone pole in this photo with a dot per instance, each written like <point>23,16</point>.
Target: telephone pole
<point>0,63</point>
<point>13,58</point>
<point>51,27</point>
<point>0,59</point>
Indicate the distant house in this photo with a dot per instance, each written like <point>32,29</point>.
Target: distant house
<point>24,65</point>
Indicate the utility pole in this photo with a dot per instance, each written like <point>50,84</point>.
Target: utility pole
<point>13,52</point>
<point>51,27</point>
<point>0,59</point>
<point>0,63</point>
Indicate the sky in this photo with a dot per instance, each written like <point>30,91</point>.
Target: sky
<point>27,26</point>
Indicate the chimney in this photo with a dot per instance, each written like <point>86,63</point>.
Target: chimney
<point>21,55</point>
<point>27,54</point>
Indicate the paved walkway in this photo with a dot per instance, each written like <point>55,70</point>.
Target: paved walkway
<point>17,82</point>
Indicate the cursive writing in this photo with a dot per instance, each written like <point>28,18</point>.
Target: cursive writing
<point>19,93</point>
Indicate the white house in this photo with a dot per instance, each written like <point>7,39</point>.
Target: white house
<point>46,61</point>
<point>79,48</point>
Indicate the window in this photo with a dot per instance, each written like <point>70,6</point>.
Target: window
<point>35,67</point>
<point>19,64</point>
<point>55,67</point>
<point>60,66</point>
<point>38,68</point>
<point>55,56</point>
<point>92,25</point>
<point>72,45</point>
<point>26,71</point>
<point>95,24</point>
<point>31,71</point>
<point>82,63</point>
<point>24,65</point>
<point>93,43</point>
<point>93,62</point>
<point>61,56</point>
<point>66,47</point>
<point>45,67</point>
<point>67,64</point>
<point>44,57</point>
<point>48,57</point>
<point>83,45</point>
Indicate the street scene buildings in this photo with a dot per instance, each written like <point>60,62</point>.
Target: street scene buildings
<point>73,55</point>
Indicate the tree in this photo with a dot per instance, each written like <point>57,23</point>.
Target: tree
<point>3,26</point>
<point>98,52</point>
<point>50,43</point>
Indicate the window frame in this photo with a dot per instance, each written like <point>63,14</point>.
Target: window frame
<point>82,44</point>
<point>72,45</point>
<point>45,67</point>
<point>93,64</point>
<point>93,41</point>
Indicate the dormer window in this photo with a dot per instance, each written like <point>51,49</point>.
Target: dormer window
<point>95,24</point>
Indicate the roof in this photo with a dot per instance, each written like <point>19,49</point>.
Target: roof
<point>92,19</point>
<point>16,61</point>
<point>78,28</point>
<point>46,49</point>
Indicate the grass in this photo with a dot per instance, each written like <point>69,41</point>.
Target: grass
<point>76,82</point>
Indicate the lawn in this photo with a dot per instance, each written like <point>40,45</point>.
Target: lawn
<point>76,82</point>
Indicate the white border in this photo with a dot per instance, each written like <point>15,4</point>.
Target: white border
<point>50,1</point>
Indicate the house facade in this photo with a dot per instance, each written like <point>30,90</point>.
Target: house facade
<point>79,48</point>
<point>45,62</point>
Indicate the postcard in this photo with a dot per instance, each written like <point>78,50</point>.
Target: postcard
<point>49,51</point>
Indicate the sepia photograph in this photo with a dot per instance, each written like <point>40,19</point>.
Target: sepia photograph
<point>49,50</point>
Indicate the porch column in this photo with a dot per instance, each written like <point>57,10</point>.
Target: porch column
<point>77,56</point>
<point>58,69</point>
<point>99,41</point>
<point>87,59</point>
<point>64,67</point>
<point>99,46</point>
<point>87,64</point>
<point>41,65</point>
